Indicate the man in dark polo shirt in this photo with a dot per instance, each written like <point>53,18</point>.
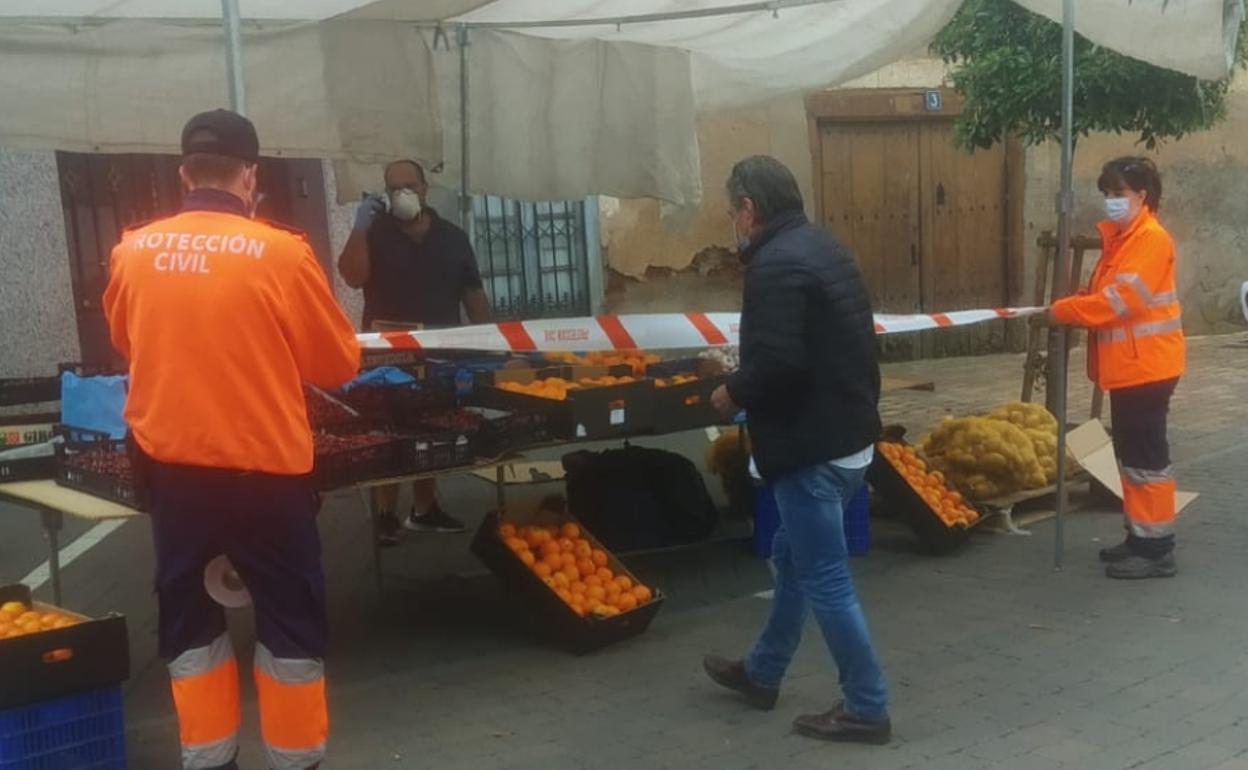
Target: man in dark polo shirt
<point>415,269</point>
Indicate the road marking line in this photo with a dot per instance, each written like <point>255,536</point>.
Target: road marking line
<point>43,573</point>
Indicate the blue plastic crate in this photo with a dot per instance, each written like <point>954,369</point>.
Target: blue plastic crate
<point>767,518</point>
<point>85,731</point>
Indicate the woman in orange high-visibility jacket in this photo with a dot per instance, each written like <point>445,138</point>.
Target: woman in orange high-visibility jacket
<point>1136,352</point>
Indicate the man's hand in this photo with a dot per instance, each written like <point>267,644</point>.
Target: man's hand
<point>723,403</point>
<point>369,208</point>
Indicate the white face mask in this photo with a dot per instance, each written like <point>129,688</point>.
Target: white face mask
<point>405,204</point>
<point>1118,209</point>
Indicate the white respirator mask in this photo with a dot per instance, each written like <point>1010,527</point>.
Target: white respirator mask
<point>405,204</point>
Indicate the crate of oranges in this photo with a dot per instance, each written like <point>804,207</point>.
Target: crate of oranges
<point>580,402</point>
<point>682,394</point>
<point>47,652</point>
<point>583,595</point>
<point>938,513</point>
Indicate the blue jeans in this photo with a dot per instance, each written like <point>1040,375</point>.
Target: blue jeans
<point>812,570</point>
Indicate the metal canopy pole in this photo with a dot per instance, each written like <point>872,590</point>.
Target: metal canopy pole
<point>465,202</point>
<point>1061,283</point>
<point>232,22</point>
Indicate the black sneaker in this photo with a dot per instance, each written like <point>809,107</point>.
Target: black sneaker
<point>436,520</point>
<point>731,674</point>
<point>389,530</point>
<point>1117,553</point>
<point>1141,568</point>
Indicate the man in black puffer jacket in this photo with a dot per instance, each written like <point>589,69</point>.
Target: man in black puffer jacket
<point>810,384</point>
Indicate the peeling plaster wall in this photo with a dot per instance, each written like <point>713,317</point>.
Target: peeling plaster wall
<point>648,260</point>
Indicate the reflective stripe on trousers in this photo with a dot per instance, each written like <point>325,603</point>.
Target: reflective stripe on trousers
<point>205,692</point>
<point>1148,501</point>
<point>294,720</point>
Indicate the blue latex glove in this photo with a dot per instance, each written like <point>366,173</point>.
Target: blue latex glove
<point>382,375</point>
<point>740,418</point>
<point>369,208</point>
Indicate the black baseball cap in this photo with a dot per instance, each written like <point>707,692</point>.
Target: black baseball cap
<point>221,132</point>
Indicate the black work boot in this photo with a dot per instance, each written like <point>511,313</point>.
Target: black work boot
<point>731,674</point>
<point>1137,567</point>
<point>842,727</point>
<point>1117,553</point>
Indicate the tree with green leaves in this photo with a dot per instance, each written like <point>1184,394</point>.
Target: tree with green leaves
<point>1006,62</point>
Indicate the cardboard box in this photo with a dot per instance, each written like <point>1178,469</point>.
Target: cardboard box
<point>1093,449</point>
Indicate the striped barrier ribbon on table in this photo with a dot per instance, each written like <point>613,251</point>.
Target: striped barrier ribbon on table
<point>654,331</point>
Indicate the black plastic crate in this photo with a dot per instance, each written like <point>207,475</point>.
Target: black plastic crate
<point>578,635</point>
<point>37,667</point>
<point>492,432</point>
<point>344,459</point>
<point>92,462</point>
<point>934,534</point>
<point>327,411</point>
<point>15,391</point>
<point>434,452</point>
<point>26,468</point>
<point>685,405</point>
<point>597,412</point>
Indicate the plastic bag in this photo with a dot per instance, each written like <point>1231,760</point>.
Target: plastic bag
<point>95,403</point>
<point>382,375</point>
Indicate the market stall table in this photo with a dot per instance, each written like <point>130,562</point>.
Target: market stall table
<point>54,502</point>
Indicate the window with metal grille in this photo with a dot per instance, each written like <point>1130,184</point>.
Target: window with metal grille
<point>534,257</point>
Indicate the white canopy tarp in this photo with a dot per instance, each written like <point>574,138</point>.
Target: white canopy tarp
<point>556,110</point>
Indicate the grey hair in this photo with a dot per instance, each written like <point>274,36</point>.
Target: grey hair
<point>768,183</point>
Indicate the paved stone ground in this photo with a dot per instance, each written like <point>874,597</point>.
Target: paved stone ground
<point>995,659</point>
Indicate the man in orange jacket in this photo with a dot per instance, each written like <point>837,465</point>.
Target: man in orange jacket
<point>222,318</point>
<point>1136,352</point>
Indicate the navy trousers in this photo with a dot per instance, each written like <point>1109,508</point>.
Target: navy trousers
<point>266,525</point>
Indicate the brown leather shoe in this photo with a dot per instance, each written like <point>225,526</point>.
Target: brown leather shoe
<point>837,725</point>
<point>731,674</point>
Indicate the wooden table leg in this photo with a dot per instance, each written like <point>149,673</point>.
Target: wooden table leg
<point>53,522</point>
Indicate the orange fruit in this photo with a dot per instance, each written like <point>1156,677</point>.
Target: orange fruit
<point>593,580</point>
<point>600,557</point>
<point>516,544</point>
<point>583,549</point>
<point>507,530</point>
<point>571,574</point>
<point>571,531</point>
<point>27,618</point>
<point>642,594</point>
<point>626,602</point>
<point>597,593</point>
<point>16,609</point>
<point>578,587</point>
<point>586,567</point>
<point>533,538</point>
<point>567,560</point>
<point>566,545</point>
<point>528,558</point>
<point>564,594</point>
<point>613,592</point>
<point>606,611</point>
<point>542,536</point>
<point>561,580</point>
<point>549,547</point>
<point>541,569</point>
<point>624,582</point>
<point>553,560</point>
<point>578,608</point>
<point>606,575</point>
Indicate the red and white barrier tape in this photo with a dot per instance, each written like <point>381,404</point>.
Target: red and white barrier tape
<point>656,331</point>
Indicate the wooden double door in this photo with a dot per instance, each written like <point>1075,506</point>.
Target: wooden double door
<point>927,222</point>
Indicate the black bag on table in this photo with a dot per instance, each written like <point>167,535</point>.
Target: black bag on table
<point>636,498</point>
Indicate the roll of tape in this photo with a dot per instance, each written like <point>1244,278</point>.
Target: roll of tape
<point>224,585</point>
